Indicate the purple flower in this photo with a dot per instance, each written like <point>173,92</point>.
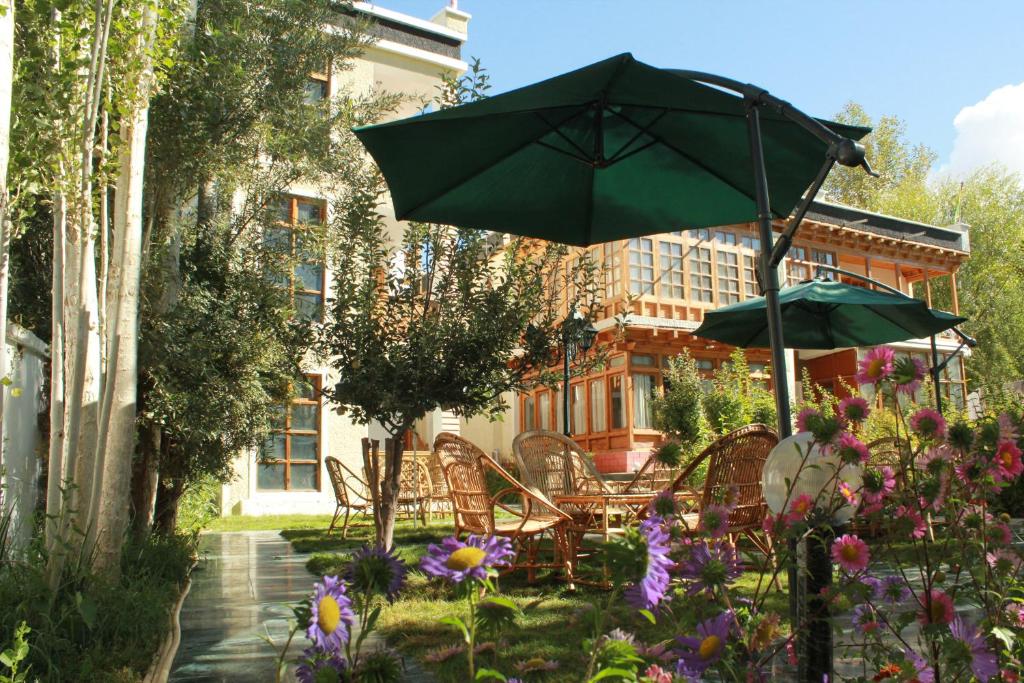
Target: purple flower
<point>865,619</point>
<point>894,590</point>
<point>456,560</point>
<point>650,590</point>
<point>331,616</point>
<point>984,663</point>
<point>376,571</point>
<point>314,661</point>
<point>707,648</point>
<point>714,520</point>
<point>709,566</point>
<point>925,673</point>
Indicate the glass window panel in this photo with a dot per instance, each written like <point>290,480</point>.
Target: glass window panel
<point>316,91</point>
<point>559,410</point>
<point>273,447</point>
<point>309,212</point>
<point>578,407</point>
<point>544,407</point>
<point>617,362</point>
<point>309,276</point>
<point>308,306</point>
<point>612,270</point>
<point>700,274</point>
<point>282,209</point>
<point>598,421</point>
<point>953,370</point>
<point>278,239</point>
<point>642,359</point>
<point>306,389</point>
<point>303,447</point>
<point>617,402</point>
<point>270,477</point>
<point>641,266</point>
<point>304,417</point>
<point>956,395</point>
<point>277,417</point>
<point>671,264</point>
<point>303,478</point>
<point>529,423</point>
<point>643,414</point>
<point>705,364</point>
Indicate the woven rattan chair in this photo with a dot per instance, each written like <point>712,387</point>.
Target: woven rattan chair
<point>555,465</point>
<point>527,524</point>
<point>654,476</point>
<point>440,499</point>
<point>735,462</point>
<point>414,488</point>
<point>350,494</point>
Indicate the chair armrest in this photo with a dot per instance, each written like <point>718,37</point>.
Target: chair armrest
<point>510,490</point>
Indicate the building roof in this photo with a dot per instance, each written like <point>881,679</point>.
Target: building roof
<point>950,237</point>
<point>404,29</point>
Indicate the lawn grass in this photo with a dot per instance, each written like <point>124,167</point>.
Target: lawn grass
<point>269,522</point>
<point>555,620</point>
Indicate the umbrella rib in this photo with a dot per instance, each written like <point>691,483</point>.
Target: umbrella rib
<point>645,129</point>
<point>688,157</point>
<point>465,178</point>
<point>583,160</point>
<point>557,131</point>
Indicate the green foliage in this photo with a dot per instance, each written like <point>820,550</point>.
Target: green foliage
<point>990,200</point>
<point>90,630</point>
<point>679,412</point>
<point>736,399</point>
<point>12,657</point>
<point>199,505</point>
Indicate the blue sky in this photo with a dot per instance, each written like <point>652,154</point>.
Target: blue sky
<point>921,61</point>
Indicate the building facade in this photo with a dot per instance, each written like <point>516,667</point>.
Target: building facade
<point>409,56</point>
<point>666,282</point>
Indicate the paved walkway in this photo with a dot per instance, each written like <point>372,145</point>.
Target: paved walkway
<point>242,591</point>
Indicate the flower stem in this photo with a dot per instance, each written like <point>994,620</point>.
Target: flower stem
<point>471,628</point>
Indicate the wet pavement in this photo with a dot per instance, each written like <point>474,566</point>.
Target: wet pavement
<point>242,592</point>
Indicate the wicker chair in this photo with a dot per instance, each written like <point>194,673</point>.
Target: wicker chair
<point>415,488</point>
<point>465,471</point>
<point>350,494</point>
<point>735,462</point>
<point>554,465</point>
<point>440,498</point>
<point>653,476</point>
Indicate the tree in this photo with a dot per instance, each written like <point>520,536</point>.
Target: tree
<point>990,200</point>
<point>6,83</point>
<point>680,411</point>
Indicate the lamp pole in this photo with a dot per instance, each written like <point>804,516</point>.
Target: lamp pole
<point>577,332</point>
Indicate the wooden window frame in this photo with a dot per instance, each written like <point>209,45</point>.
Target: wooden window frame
<point>293,226</point>
<point>316,382</point>
<point>645,287</point>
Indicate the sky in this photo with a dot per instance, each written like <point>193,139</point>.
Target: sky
<point>952,71</point>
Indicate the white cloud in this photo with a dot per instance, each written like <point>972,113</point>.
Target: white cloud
<point>991,131</point>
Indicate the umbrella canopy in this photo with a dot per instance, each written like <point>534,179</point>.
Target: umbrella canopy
<point>614,150</point>
<point>821,314</point>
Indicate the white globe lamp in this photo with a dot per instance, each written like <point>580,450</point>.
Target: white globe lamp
<point>798,462</point>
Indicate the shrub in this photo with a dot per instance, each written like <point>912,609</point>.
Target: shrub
<point>679,413</point>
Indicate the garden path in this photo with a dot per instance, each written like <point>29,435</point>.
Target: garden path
<point>242,590</point>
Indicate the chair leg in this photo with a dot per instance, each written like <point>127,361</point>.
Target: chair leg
<point>334,520</point>
<point>344,525</point>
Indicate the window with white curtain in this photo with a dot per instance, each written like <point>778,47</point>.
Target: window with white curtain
<point>598,423</point>
<point>544,405</point>
<point>643,388</point>
<point>529,423</point>
<point>579,407</point>
<point>618,402</point>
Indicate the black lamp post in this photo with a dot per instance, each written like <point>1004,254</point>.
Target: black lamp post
<point>577,333</point>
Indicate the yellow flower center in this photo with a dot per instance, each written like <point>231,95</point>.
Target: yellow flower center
<point>1007,458</point>
<point>709,647</point>
<point>465,558</point>
<point>849,553</point>
<point>938,611</point>
<point>536,662</point>
<point>328,614</point>
<point>875,368</point>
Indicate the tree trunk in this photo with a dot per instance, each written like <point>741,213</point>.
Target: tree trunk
<point>389,487</point>
<point>145,479</point>
<point>56,476</point>
<point>371,470</point>
<point>6,81</point>
<point>168,498</point>
<point>115,445</point>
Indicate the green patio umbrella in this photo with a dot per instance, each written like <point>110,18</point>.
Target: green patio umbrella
<point>823,314</point>
<point>614,150</point>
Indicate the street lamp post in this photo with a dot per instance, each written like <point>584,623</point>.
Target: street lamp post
<point>577,332</point>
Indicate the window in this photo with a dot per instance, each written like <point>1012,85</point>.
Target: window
<point>612,270</point>
<point>598,420</point>
<point>728,277</point>
<point>641,265</point>
<point>544,407</point>
<point>617,401</point>
<point>725,238</point>
<point>643,390</point>
<point>671,264</point>
<point>751,246</point>
<point>291,454</point>
<point>642,359</point>
<point>305,279</point>
<point>579,409</point>
<point>529,418</point>
<point>702,235</point>
<point>316,90</point>
<point>559,410</point>
<point>700,274</point>
<point>797,269</point>
<point>825,258</point>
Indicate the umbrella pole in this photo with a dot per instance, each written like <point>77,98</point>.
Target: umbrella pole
<point>815,662</point>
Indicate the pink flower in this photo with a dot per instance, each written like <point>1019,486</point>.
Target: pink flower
<point>878,483</point>
<point>1008,460</point>
<point>791,653</point>
<point>1000,534</point>
<point>854,409</point>
<point>655,674</point>
<point>851,449</point>
<point>1007,429</point>
<point>928,424</point>
<point>804,416</point>
<point>918,529</point>
<point>876,365</point>
<point>908,373</point>
<point>939,612</point>
<point>799,508</point>
<point>775,525</point>
<point>851,553</point>
<point>848,494</point>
